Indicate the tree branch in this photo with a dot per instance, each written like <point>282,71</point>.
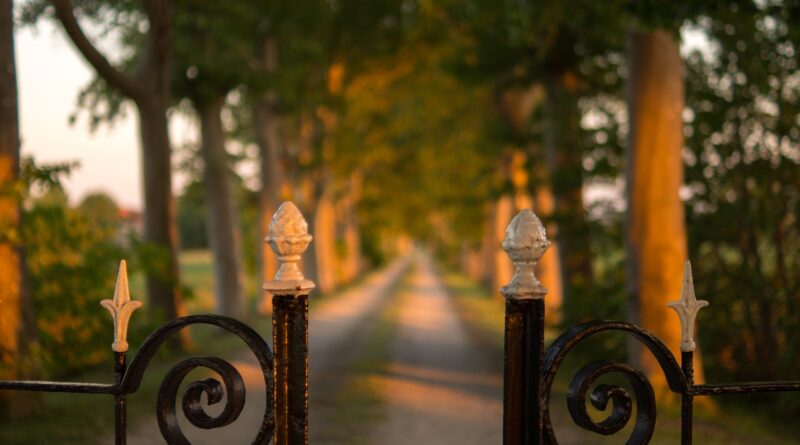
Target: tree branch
<point>116,78</point>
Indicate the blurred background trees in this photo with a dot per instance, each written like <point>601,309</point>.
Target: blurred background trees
<point>643,133</point>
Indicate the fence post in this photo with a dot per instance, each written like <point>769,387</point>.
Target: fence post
<point>289,238</point>
<point>121,308</point>
<point>525,244</point>
<point>687,308</point>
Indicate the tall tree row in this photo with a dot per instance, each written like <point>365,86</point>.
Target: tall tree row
<point>563,150</point>
<point>212,41</point>
<point>223,233</point>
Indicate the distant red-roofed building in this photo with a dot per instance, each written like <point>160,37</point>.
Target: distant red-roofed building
<point>131,223</point>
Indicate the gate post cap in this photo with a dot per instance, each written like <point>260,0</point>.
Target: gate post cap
<point>525,243</point>
<point>288,238</point>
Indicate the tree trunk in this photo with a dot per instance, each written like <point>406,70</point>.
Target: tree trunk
<point>17,324</point>
<point>325,239</point>
<point>487,248</point>
<point>502,267</point>
<point>222,229</point>
<point>266,120</point>
<point>564,155</point>
<point>656,240</point>
<point>149,89</point>
<point>10,267</point>
<point>564,158</point>
<point>351,263</point>
<point>267,124</point>
<point>549,267</point>
<point>163,280</point>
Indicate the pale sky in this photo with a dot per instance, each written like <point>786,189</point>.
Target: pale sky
<point>50,72</point>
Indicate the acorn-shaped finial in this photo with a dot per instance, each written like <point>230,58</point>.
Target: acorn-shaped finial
<point>525,243</point>
<point>288,238</point>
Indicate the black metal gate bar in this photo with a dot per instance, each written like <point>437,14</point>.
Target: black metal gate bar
<point>68,387</point>
<point>687,399</point>
<point>290,340</point>
<point>524,351</point>
<point>524,333</point>
<point>289,238</point>
<point>744,388</point>
<point>120,401</point>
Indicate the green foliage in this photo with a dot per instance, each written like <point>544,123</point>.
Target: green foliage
<point>428,168</point>
<point>742,179</point>
<point>100,210</point>
<point>72,265</point>
<point>192,217</point>
<point>249,221</point>
<point>71,258</point>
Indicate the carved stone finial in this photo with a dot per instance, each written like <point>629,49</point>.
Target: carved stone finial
<point>687,309</point>
<point>525,243</point>
<point>121,309</point>
<point>288,238</point>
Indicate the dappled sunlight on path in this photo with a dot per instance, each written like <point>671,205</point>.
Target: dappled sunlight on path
<point>439,387</point>
<point>441,394</point>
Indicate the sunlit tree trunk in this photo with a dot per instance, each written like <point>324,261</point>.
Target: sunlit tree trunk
<point>656,224</point>
<point>325,238</point>
<point>348,217</point>
<point>502,268</point>
<point>516,105</point>
<point>223,230</point>
<point>17,325</point>
<point>470,261</point>
<point>311,187</point>
<point>10,265</point>
<point>487,248</point>
<point>549,267</point>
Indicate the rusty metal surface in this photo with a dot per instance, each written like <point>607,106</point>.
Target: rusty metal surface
<point>524,353</point>
<point>290,339</point>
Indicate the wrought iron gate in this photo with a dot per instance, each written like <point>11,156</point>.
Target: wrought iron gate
<point>530,368</point>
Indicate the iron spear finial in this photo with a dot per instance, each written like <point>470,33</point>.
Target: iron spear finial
<point>525,243</point>
<point>687,308</point>
<point>121,308</point>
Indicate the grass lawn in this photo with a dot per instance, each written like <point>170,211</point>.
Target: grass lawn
<point>197,274</point>
<point>727,424</point>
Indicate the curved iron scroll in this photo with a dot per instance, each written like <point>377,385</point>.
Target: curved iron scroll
<point>601,395</point>
<point>232,381</point>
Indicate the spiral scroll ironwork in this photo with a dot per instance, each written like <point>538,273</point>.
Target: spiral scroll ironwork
<point>232,385</point>
<point>621,401</point>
